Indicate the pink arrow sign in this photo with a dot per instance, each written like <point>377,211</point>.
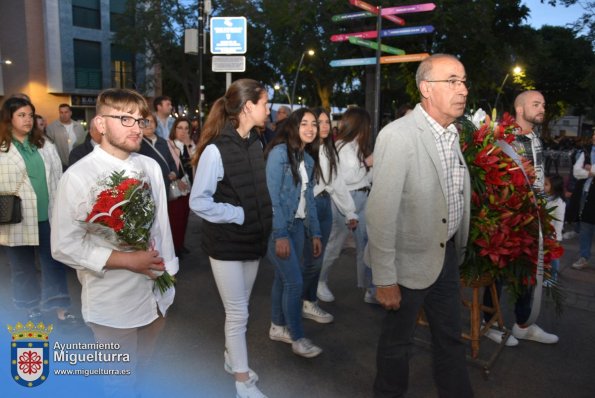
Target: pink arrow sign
<point>371,34</point>
<point>374,10</point>
<point>409,9</point>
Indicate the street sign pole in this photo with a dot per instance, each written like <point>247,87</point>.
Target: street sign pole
<point>376,121</point>
<point>201,11</point>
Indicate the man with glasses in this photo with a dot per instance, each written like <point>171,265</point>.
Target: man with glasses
<point>418,222</point>
<point>118,301</point>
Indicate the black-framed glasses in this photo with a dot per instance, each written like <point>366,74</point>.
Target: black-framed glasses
<point>128,121</point>
<point>453,84</point>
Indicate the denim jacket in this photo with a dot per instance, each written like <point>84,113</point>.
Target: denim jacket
<point>285,195</point>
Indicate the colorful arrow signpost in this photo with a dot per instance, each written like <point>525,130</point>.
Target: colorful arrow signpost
<point>359,38</point>
<point>374,46</point>
<point>383,60</point>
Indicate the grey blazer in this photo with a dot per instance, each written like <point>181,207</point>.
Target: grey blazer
<point>57,132</point>
<point>407,214</point>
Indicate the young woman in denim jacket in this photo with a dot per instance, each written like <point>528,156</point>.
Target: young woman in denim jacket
<point>290,172</point>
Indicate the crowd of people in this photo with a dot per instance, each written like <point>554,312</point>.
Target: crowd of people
<point>292,193</point>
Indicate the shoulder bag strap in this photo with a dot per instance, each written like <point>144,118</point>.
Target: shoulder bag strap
<point>20,184</point>
<point>160,155</point>
<point>173,146</point>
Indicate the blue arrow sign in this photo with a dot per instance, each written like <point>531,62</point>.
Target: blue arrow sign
<point>414,30</point>
<point>353,62</point>
<point>228,35</point>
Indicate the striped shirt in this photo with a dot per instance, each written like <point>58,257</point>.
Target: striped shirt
<point>453,169</point>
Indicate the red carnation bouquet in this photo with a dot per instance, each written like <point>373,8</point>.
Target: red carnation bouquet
<point>123,214</point>
<point>506,214</point>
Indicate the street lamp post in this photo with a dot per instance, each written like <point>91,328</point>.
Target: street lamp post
<point>515,71</point>
<point>278,87</point>
<point>3,62</point>
<point>297,73</point>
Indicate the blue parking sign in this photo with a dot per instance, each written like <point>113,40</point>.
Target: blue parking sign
<point>228,35</point>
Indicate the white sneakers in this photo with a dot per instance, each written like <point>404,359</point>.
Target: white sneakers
<point>496,336</point>
<point>305,348</point>
<point>302,347</point>
<point>323,293</point>
<point>370,296</point>
<point>280,333</point>
<point>311,310</point>
<point>580,263</point>
<point>534,333</point>
<point>248,389</point>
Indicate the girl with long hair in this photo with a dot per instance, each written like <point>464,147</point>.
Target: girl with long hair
<point>329,189</point>
<point>230,195</point>
<point>290,179</point>
<point>355,161</point>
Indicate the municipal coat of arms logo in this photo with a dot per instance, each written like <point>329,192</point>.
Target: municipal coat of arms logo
<point>30,353</point>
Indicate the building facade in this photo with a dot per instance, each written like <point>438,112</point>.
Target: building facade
<point>62,52</point>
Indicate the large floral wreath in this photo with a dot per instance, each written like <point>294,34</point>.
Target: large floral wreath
<point>506,213</point>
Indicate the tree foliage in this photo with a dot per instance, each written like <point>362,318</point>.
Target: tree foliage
<point>586,22</point>
<point>489,36</point>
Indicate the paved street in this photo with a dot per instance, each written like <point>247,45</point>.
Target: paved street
<point>189,358</point>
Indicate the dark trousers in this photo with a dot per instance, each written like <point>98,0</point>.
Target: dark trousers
<point>178,211</point>
<point>522,305</point>
<point>27,292</point>
<point>442,305</point>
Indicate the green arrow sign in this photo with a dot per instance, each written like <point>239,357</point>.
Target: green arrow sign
<point>373,45</point>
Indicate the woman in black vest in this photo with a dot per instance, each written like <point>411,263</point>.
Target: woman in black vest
<point>231,196</point>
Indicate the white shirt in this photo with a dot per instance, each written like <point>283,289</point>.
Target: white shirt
<point>209,172</point>
<point>111,297</point>
<point>70,134</point>
<point>301,209</point>
<point>558,222</point>
<point>336,189</point>
<point>350,169</point>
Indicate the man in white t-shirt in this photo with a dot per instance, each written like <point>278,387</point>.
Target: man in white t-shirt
<point>66,133</point>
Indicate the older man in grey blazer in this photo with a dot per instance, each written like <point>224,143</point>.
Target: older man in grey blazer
<point>418,224</point>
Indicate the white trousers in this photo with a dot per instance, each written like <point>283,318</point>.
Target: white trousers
<point>234,281</point>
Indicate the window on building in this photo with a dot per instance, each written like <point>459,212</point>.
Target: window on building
<point>87,64</point>
<point>118,15</point>
<point>565,122</point>
<point>86,13</point>
<point>122,68</point>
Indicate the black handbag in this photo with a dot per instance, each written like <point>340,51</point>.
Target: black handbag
<point>10,206</point>
<point>10,209</point>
